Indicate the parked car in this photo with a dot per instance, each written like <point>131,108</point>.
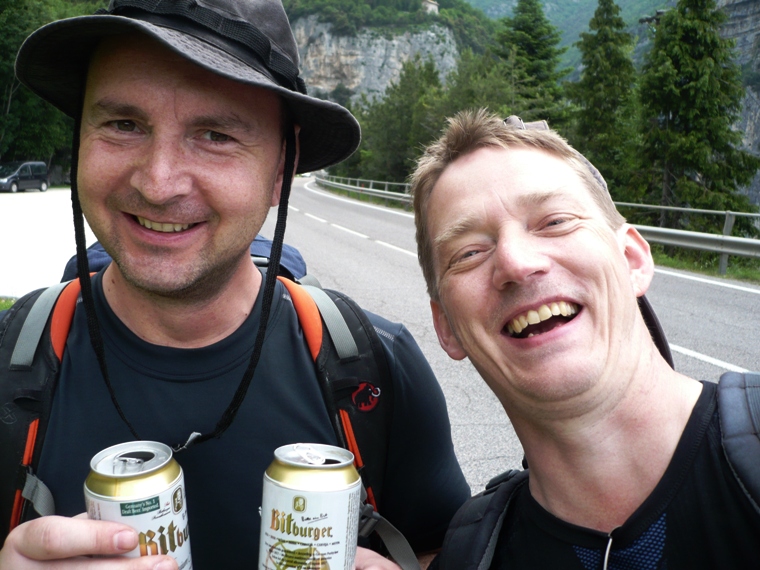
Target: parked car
<point>15,176</point>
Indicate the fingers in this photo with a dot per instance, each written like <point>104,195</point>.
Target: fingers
<point>370,560</point>
<point>53,538</point>
<point>52,542</point>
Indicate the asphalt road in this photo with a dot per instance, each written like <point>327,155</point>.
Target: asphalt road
<point>368,252</point>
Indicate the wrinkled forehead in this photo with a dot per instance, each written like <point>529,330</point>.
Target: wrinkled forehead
<point>510,172</point>
<point>130,60</point>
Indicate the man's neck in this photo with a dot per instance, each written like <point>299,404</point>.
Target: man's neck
<point>188,324</point>
<point>595,470</point>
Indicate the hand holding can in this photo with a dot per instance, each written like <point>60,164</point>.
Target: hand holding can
<point>140,484</point>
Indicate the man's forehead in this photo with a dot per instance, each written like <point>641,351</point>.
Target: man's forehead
<point>137,58</point>
<point>512,171</point>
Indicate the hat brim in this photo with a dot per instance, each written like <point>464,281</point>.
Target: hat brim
<point>53,63</point>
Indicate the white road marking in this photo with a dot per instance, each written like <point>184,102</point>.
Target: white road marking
<point>352,232</point>
<point>313,217</point>
<point>402,250</point>
<point>356,202</point>
<point>708,281</point>
<point>708,359</point>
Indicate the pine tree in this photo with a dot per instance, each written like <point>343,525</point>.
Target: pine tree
<point>529,40</point>
<point>395,128</point>
<point>691,90</point>
<point>605,98</point>
<point>483,80</point>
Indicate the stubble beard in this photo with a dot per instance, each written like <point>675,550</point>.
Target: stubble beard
<point>205,280</point>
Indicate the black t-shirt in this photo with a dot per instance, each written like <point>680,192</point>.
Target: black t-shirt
<point>696,518</point>
<point>167,393</point>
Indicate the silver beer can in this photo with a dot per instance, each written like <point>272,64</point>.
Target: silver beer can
<point>310,509</point>
<point>140,484</point>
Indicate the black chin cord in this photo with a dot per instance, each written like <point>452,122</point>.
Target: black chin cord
<point>93,326</point>
<point>83,269</point>
<point>271,278</point>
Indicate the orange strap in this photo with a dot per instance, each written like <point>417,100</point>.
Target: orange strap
<point>31,437</point>
<point>308,315</point>
<point>60,324</point>
<point>353,447</point>
<point>63,314</point>
<point>311,323</point>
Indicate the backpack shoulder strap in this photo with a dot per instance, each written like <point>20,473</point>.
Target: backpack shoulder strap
<point>471,539</point>
<point>739,410</point>
<point>31,348</point>
<point>354,376</point>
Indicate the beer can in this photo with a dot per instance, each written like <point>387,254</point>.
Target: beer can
<point>310,509</point>
<point>140,484</point>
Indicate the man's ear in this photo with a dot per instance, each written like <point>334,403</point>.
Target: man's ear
<point>639,257</point>
<point>446,337</point>
<point>281,168</point>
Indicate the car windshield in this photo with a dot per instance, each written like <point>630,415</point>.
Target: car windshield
<point>8,168</point>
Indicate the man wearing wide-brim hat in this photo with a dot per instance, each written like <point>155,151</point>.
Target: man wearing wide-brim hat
<point>191,120</point>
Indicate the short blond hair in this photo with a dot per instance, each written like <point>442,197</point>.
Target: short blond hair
<point>473,129</point>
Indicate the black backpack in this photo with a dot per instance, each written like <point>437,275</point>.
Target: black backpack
<point>349,358</point>
<point>474,531</point>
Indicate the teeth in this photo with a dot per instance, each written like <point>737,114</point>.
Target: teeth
<point>162,227</point>
<point>543,313</point>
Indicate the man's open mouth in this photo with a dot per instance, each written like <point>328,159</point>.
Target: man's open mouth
<point>165,227</point>
<point>542,320</point>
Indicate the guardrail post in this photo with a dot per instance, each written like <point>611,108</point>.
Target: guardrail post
<point>728,226</point>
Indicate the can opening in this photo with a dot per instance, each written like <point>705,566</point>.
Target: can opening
<point>131,462</point>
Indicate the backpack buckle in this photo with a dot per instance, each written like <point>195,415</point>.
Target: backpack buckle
<point>368,520</point>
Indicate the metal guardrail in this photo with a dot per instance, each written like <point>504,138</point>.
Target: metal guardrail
<point>368,187</point>
<point>727,245</point>
<point>724,244</point>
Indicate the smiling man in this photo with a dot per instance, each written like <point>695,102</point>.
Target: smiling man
<point>535,277</point>
<point>191,120</point>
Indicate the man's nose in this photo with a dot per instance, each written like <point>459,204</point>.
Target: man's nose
<point>519,256</point>
<point>163,171</point>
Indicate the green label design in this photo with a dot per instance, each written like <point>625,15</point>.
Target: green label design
<point>140,507</point>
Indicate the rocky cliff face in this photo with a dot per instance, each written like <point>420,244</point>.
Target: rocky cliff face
<point>370,61</point>
<point>743,26</point>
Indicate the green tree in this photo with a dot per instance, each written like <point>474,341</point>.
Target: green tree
<point>530,41</point>
<point>29,127</point>
<point>483,80</point>
<point>691,91</point>
<point>395,128</point>
<point>605,125</point>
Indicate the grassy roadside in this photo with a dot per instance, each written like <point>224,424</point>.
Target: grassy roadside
<point>6,302</point>
<point>741,269</point>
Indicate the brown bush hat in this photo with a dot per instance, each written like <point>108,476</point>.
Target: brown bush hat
<point>249,41</point>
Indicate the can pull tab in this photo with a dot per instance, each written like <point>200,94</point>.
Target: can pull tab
<point>131,462</point>
<point>309,455</point>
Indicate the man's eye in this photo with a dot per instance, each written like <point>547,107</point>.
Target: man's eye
<point>124,126</point>
<point>214,136</point>
<point>465,255</point>
<point>558,221</point>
